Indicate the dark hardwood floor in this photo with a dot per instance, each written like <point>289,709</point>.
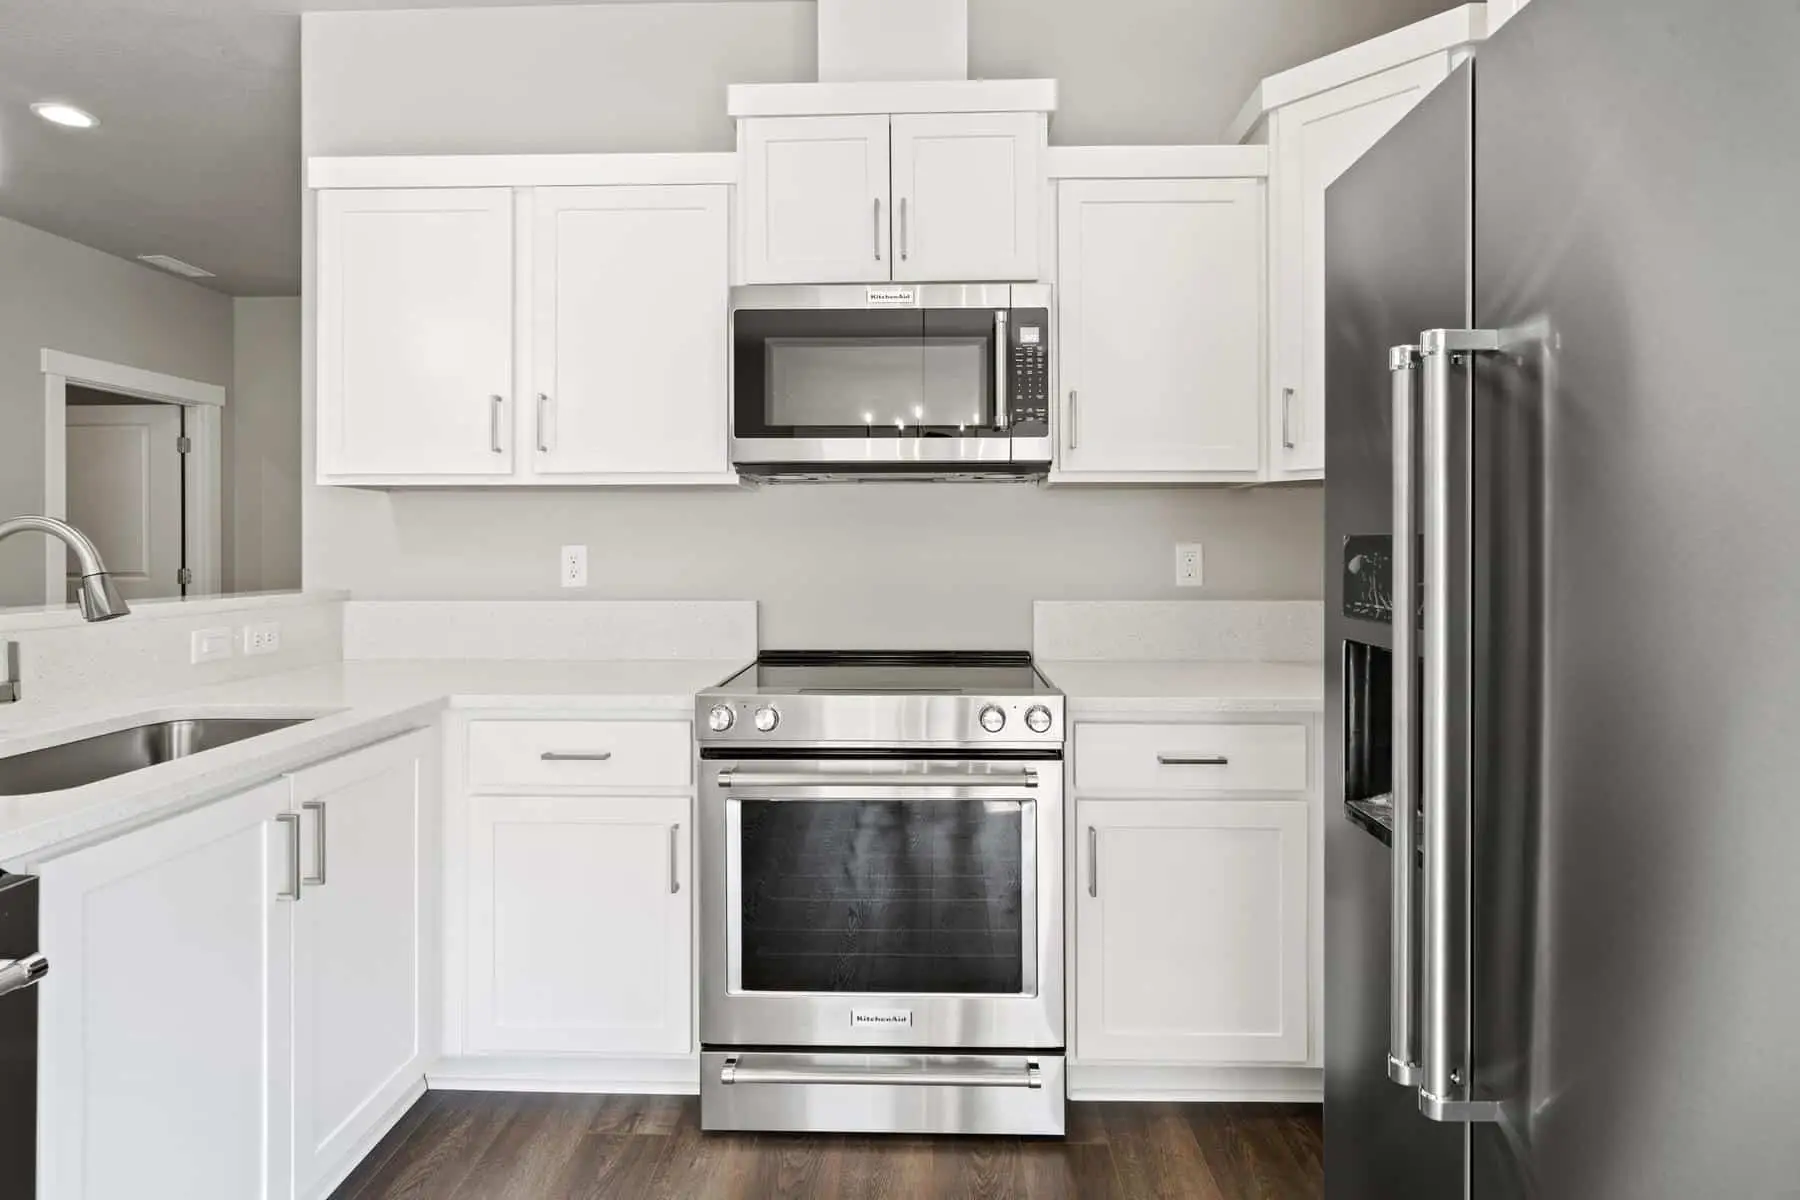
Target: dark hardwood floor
<point>483,1146</point>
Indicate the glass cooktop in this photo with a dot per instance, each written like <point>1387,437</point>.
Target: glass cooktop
<point>901,673</point>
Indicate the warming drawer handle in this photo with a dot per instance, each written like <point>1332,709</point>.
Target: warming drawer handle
<point>734,1072</point>
<point>1192,760</point>
<point>797,779</point>
<point>575,755</point>
<point>19,973</point>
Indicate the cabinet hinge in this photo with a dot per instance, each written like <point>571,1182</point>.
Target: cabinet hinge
<point>184,577</point>
<point>184,444</point>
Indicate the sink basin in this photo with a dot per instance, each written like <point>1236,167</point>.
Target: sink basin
<point>74,764</point>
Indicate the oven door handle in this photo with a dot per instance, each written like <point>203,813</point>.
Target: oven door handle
<point>737,780</point>
<point>1031,1076</point>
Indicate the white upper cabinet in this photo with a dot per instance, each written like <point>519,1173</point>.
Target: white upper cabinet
<point>1314,141</point>
<point>1161,307</point>
<point>415,332</point>
<point>965,190</point>
<point>816,200</point>
<point>947,197</point>
<point>629,294</point>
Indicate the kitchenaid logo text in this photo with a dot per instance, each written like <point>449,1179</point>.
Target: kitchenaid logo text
<point>892,297</point>
<point>864,1019</point>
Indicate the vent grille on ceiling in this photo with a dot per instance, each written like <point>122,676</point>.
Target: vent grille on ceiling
<point>169,263</point>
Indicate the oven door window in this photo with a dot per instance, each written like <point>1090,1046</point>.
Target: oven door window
<point>884,896</point>
<point>853,373</point>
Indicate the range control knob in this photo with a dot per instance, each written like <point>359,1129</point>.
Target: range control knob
<point>1037,719</point>
<point>767,719</point>
<point>993,718</point>
<point>721,718</point>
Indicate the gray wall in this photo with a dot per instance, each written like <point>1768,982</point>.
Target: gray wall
<point>59,295</point>
<point>898,564</point>
<point>262,446</point>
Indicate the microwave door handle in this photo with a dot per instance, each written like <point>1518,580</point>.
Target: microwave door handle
<point>1002,405</point>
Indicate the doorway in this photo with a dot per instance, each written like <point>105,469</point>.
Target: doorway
<point>132,460</point>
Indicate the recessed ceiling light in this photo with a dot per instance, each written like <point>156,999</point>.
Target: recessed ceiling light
<point>170,263</point>
<point>58,113</point>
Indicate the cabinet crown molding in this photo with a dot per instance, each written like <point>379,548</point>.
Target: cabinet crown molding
<point>518,170</point>
<point>865,99</point>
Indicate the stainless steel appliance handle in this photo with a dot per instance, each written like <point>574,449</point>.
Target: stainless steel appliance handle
<point>495,404</point>
<point>1071,418</point>
<point>317,808</point>
<point>878,229</point>
<point>736,779</point>
<point>1403,967</point>
<point>292,821</point>
<point>1287,424</point>
<point>674,858</point>
<point>735,1072</point>
<point>1446,507</point>
<point>17,973</point>
<point>1179,760</point>
<point>1093,862</point>
<point>575,756</point>
<point>1002,403</point>
<point>903,252</point>
<point>542,438</point>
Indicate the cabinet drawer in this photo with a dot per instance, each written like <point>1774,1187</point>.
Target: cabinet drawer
<point>529,755</point>
<point>1191,758</point>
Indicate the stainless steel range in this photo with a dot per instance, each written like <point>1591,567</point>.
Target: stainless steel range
<point>881,938</point>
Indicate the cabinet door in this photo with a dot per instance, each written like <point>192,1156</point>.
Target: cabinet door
<point>165,1017</point>
<point>966,189</point>
<point>1314,141</point>
<point>580,925</point>
<point>1161,325</point>
<point>1191,927</point>
<point>415,332</point>
<point>630,288</point>
<point>815,203</point>
<point>359,952</point>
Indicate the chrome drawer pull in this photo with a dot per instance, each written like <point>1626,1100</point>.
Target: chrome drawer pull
<point>317,808</point>
<point>1180,760</point>
<point>575,755</point>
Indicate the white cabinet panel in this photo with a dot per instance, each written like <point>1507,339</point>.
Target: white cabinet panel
<point>1161,307</point>
<point>580,925</point>
<point>1174,758</point>
<point>815,203</point>
<point>415,332</point>
<point>629,306</point>
<point>1314,141</point>
<point>554,756</point>
<point>1191,932</point>
<point>966,190</point>
<point>359,951</point>
<point>165,1039</point>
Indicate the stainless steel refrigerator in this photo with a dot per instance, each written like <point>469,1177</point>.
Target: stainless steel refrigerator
<point>1563,609</point>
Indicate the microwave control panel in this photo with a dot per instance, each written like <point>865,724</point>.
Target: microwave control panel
<point>1028,380</point>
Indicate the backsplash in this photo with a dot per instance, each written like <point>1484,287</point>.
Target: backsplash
<point>561,630</point>
<point>1184,630</point>
<point>66,662</point>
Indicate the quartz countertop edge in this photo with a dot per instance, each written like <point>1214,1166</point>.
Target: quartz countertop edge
<point>1099,688</point>
<point>353,704</point>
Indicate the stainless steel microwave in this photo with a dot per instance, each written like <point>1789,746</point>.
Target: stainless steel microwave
<point>891,381</point>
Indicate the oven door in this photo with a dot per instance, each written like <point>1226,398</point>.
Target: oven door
<point>878,903</point>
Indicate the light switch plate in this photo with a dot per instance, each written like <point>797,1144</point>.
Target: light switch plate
<point>572,567</point>
<point>209,645</point>
<point>1190,565</point>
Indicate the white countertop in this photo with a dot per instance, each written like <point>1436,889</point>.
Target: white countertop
<point>355,703</point>
<point>1104,688</point>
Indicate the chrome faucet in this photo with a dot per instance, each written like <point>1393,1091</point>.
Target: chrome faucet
<point>100,600</point>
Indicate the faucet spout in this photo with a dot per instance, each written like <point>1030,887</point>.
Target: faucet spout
<point>99,597</point>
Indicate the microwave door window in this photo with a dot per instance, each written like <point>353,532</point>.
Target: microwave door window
<point>829,373</point>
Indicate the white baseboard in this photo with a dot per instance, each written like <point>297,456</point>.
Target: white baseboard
<point>1138,1081</point>
<point>593,1075</point>
<point>367,1144</point>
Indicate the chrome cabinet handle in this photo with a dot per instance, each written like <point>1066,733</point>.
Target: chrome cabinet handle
<point>496,404</point>
<point>292,821</point>
<point>543,438</point>
<point>878,229</point>
<point>1446,723</point>
<point>1180,760</point>
<point>1093,862</point>
<point>19,973</point>
<point>575,755</point>
<point>1287,408</point>
<point>903,254</point>
<point>1002,404</point>
<point>736,1071</point>
<point>1403,968</point>
<point>674,858</point>
<point>1071,418</point>
<point>317,808</point>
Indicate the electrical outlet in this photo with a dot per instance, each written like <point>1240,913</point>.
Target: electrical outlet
<point>573,571</point>
<point>209,645</point>
<point>1190,565</point>
<point>262,638</point>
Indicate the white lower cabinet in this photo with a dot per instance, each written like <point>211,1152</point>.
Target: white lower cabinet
<point>1191,931</point>
<point>211,1032</point>
<point>580,925</point>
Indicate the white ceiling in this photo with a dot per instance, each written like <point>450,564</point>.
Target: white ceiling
<point>198,150</point>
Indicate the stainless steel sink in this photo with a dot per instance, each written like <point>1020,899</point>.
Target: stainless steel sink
<point>106,755</point>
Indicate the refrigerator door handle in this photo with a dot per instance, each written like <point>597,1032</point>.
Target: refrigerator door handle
<point>1446,727</point>
<point>1403,964</point>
